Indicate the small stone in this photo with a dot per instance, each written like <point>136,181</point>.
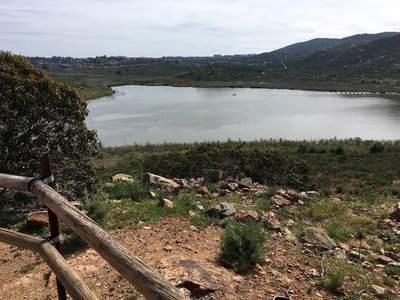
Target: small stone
<point>167,203</point>
<point>168,248</point>
<point>202,190</point>
<point>280,201</point>
<point>246,215</point>
<point>318,238</point>
<point>313,272</point>
<point>353,255</point>
<point>310,195</point>
<point>192,214</point>
<point>384,259</point>
<point>340,253</point>
<point>123,177</point>
<point>344,246</point>
<point>246,183</point>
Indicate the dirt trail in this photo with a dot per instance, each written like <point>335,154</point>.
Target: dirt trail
<point>23,275</point>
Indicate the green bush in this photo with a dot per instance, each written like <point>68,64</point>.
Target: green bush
<point>96,207</point>
<point>242,246</point>
<point>122,189</point>
<point>334,281</point>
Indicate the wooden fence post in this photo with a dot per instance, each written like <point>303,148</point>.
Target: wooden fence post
<point>55,234</point>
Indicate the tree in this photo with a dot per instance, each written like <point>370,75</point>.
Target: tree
<point>38,114</point>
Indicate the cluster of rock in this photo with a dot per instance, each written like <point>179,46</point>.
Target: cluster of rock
<point>291,197</point>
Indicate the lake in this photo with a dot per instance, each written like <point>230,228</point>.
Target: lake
<point>156,114</point>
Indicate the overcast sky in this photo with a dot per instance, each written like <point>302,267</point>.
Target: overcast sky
<point>83,28</point>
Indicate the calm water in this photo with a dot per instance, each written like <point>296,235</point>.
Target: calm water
<point>141,114</point>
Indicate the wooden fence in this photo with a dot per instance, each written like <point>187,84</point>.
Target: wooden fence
<point>151,284</point>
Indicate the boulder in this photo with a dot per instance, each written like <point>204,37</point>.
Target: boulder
<point>395,215</point>
<point>121,176</point>
<point>246,215</point>
<point>214,176</point>
<point>310,195</point>
<point>318,238</point>
<point>139,196</point>
<point>246,183</point>
<point>280,201</point>
<point>200,277</point>
<point>162,182</point>
<point>221,210</point>
<point>38,219</point>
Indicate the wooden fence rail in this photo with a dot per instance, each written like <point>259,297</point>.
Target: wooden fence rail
<point>151,284</point>
<point>75,286</point>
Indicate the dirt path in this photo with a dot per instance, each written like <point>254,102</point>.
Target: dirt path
<point>23,275</point>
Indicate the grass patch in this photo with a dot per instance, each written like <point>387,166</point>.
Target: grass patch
<point>204,221</point>
<point>242,246</point>
<point>333,282</point>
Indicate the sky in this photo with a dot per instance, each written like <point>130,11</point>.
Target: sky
<point>155,28</point>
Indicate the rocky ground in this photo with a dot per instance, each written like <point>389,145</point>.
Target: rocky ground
<point>303,251</point>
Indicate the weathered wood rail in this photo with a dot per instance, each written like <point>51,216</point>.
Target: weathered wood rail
<point>150,283</point>
<point>75,286</point>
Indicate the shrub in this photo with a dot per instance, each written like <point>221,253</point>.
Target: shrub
<point>376,148</point>
<point>334,281</point>
<point>96,207</point>
<point>242,246</point>
<point>38,115</point>
<point>122,189</point>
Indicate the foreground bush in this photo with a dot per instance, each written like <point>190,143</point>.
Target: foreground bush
<point>242,246</point>
<point>39,115</point>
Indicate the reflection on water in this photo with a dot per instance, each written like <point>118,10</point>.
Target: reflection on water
<point>141,114</point>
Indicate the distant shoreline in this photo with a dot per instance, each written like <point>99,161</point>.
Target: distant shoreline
<point>344,88</point>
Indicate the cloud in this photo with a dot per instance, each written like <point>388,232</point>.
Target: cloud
<point>157,28</point>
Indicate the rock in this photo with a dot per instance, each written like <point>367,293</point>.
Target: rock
<point>214,176</point>
<point>340,253</point>
<point>289,236</point>
<point>336,200</point>
<point>192,214</point>
<point>318,238</point>
<point>394,256</point>
<point>167,203</point>
<point>246,215</point>
<point>378,291</point>
<point>198,276</point>
<point>394,264</point>
<point>246,183</point>
<point>395,215</point>
<point>139,196</point>
<point>38,219</point>
<point>230,186</point>
<point>313,272</point>
<point>162,182</point>
<point>271,223</point>
<point>310,195</point>
<point>168,248</point>
<point>202,190</point>
<point>221,210</point>
<point>121,176</point>
<point>293,195</point>
<point>384,259</point>
<point>344,246</point>
<point>280,201</point>
<point>353,255</point>
<point>183,183</point>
